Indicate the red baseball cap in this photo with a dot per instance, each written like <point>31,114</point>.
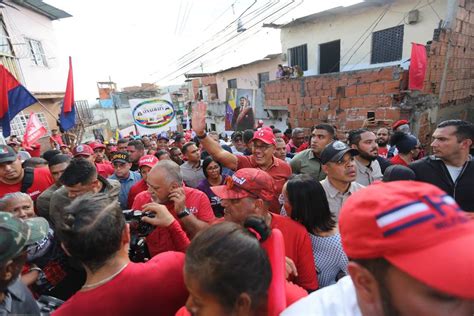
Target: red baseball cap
<point>247,182</point>
<point>82,150</point>
<point>147,160</point>
<point>265,134</point>
<point>95,145</point>
<point>399,123</point>
<point>415,226</point>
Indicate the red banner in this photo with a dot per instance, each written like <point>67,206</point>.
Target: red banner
<point>417,67</point>
<point>34,131</point>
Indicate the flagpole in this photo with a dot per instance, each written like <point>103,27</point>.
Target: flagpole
<point>49,112</point>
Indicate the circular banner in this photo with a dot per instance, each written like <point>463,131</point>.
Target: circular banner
<point>153,113</point>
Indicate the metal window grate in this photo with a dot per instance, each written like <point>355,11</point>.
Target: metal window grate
<point>232,84</point>
<point>387,45</point>
<point>18,124</point>
<point>262,78</point>
<point>299,56</point>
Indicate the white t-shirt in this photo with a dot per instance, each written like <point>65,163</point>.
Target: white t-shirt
<point>339,299</point>
<point>454,172</point>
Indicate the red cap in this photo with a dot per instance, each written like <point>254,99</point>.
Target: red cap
<point>264,134</point>
<point>247,182</point>
<point>147,160</point>
<point>415,226</point>
<point>82,150</point>
<point>95,145</point>
<point>113,149</point>
<point>399,123</point>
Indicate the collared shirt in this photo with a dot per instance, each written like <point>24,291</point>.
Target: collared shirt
<point>125,185</point>
<point>192,175</point>
<point>368,175</point>
<point>336,198</point>
<point>306,162</point>
<point>18,300</point>
<point>280,171</point>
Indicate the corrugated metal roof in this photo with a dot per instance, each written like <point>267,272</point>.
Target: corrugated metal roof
<point>42,8</point>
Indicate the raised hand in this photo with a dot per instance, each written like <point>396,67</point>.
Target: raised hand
<point>199,118</point>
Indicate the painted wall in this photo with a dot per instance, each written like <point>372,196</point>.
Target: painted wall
<point>24,23</point>
<point>349,27</point>
<point>124,116</point>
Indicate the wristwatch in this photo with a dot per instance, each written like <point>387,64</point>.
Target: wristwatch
<point>202,136</point>
<point>183,213</point>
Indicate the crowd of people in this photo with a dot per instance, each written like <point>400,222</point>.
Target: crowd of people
<point>297,222</point>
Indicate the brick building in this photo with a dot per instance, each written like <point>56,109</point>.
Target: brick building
<point>344,98</point>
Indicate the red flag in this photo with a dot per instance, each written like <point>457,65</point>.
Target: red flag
<point>34,131</point>
<point>69,96</point>
<point>417,67</point>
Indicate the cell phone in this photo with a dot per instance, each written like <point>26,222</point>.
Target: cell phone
<point>371,116</point>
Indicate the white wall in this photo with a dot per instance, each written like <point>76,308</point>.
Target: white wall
<point>349,27</point>
<point>247,76</point>
<point>28,24</point>
<point>124,116</point>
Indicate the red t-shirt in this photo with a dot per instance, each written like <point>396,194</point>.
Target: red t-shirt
<point>35,150</point>
<point>383,151</point>
<point>298,248</point>
<point>280,171</point>
<point>138,187</point>
<point>105,169</point>
<point>152,288</point>
<point>42,180</point>
<point>164,239</point>
<point>397,160</point>
<point>57,139</point>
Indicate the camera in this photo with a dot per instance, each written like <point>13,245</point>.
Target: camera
<point>138,251</point>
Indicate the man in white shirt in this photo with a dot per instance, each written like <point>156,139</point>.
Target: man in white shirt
<point>191,169</point>
<point>368,168</point>
<point>407,245</point>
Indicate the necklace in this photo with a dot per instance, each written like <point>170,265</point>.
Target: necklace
<point>107,279</point>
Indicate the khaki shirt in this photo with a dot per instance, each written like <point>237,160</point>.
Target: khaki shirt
<point>336,198</point>
<point>368,175</point>
<point>306,162</point>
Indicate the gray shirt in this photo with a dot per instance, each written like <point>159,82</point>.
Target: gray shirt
<point>306,162</point>
<point>192,175</point>
<point>336,198</point>
<point>368,174</point>
<point>18,300</point>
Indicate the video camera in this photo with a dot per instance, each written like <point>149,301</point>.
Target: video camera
<point>138,231</point>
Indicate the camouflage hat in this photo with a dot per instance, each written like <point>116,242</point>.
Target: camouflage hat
<point>16,234</point>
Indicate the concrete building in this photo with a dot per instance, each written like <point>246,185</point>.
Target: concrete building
<point>29,50</point>
<point>356,62</point>
<point>212,88</point>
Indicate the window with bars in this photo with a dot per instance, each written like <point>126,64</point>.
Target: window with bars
<point>232,83</point>
<point>387,45</point>
<point>18,124</point>
<point>37,53</point>
<point>299,56</point>
<point>262,78</point>
<point>5,44</point>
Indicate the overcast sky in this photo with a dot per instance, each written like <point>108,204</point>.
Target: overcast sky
<point>147,41</point>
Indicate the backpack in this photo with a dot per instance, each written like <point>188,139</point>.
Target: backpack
<point>28,178</point>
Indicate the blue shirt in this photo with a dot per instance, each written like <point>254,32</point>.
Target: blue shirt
<point>125,185</point>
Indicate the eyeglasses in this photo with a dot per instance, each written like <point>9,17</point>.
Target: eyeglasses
<point>261,147</point>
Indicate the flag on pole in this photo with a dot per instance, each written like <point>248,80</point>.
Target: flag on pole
<point>34,131</point>
<point>67,119</point>
<point>14,98</point>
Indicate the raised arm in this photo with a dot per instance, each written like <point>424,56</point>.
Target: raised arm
<point>212,147</point>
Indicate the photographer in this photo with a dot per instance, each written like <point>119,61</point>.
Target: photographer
<point>93,231</point>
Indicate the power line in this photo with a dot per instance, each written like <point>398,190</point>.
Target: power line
<point>217,46</point>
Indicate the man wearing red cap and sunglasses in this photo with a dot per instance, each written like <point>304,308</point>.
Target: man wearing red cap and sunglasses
<point>410,251</point>
<point>262,154</point>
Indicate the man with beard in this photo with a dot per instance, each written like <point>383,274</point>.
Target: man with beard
<point>368,168</point>
<point>308,161</point>
<point>338,163</point>
<point>176,155</point>
<point>136,150</point>
<point>383,137</point>
<point>408,255</point>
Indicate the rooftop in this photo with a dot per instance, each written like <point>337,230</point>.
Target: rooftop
<point>42,8</point>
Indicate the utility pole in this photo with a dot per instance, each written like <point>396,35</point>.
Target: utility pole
<point>114,104</point>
